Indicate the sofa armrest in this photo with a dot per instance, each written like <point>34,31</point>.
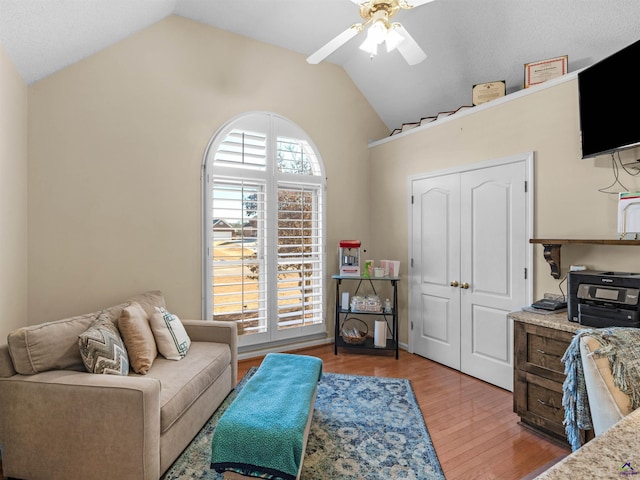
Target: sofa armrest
<point>217,332</point>
<point>607,403</point>
<point>80,425</point>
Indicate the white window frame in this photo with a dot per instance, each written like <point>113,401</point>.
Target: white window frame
<point>278,126</point>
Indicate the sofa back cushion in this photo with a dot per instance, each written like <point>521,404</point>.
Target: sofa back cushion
<point>48,346</point>
<point>54,345</point>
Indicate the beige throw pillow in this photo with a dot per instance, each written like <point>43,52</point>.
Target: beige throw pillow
<point>138,337</point>
<point>171,337</point>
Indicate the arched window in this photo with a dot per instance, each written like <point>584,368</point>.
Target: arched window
<point>264,209</point>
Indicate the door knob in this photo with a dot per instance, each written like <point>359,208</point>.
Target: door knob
<point>454,284</point>
<point>464,285</point>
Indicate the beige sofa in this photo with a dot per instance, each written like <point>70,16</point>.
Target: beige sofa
<point>608,404</point>
<point>58,421</point>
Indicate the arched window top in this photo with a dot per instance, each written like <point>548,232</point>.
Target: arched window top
<point>246,141</point>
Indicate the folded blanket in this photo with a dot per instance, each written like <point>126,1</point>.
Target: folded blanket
<point>262,431</point>
<point>621,346</point>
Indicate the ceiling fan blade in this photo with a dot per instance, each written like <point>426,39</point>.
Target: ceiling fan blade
<point>326,50</point>
<point>409,48</point>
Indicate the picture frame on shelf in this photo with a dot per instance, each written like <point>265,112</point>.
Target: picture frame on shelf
<point>485,92</point>
<point>540,71</point>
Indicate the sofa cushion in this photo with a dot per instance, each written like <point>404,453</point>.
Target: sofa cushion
<point>171,337</point>
<point>54,345</point>
<point>148,301</point>
<point>49,346</point>
<point>138,337</point>
<point>102,349</point>
<point>185,381</point>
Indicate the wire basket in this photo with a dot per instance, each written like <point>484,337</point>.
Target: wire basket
<point>353,333</point>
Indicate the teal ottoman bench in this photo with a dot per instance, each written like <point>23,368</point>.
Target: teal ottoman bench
<point>263,433</point>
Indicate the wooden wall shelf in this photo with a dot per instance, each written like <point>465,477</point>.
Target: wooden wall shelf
<point>552,248</point>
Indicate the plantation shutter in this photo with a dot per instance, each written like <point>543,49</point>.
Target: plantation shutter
<point>299,256</point>
<point>239,276</point>
<point>265,250</point>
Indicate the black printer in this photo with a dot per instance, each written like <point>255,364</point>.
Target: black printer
<point>604,299</point>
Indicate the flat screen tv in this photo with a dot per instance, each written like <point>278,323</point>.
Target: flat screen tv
<point>609,100</point>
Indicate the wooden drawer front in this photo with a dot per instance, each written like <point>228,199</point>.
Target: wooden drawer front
<point>538,402</point>
<point>544,399</point>
<point>539,350</point>
<point>546,352</point>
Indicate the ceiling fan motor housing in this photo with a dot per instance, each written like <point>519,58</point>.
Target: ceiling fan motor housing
<point>379,10</point>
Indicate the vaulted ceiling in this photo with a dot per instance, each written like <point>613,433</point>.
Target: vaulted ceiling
<point>467,41</point>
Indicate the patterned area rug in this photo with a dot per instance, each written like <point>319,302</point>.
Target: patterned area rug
<point>362,428</point>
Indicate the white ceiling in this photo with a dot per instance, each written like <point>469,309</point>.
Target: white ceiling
<point>466,41</point>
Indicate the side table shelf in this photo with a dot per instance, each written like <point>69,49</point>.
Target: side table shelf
<point>391,319</point>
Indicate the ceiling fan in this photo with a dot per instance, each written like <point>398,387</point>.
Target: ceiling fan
<point>377,14</point>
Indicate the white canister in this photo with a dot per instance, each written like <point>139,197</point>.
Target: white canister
<point>380,335</point>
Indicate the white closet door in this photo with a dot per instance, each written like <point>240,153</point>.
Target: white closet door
<point>435,305</point>
<point>493,254</point>
<point>470,251</point>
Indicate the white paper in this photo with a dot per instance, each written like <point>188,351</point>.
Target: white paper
<point>628,212</point>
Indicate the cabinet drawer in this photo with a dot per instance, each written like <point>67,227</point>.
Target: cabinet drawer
<point>540,403</point>
<point>546,352</point>
<point>539,350</point>
<point>544,399</point>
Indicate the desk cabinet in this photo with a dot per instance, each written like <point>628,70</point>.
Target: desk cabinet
<point>538,378</point>
<point>343,314</point>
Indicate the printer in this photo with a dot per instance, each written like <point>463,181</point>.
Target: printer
<point>604,299</point>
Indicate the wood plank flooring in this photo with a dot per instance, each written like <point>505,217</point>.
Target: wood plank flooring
<point>472,424</point>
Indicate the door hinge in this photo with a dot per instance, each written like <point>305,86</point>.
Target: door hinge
<point>411,199</point>
<point>525,273</point>
<point>412,263</point>
<point>526,186</point>
<point>411,324</point>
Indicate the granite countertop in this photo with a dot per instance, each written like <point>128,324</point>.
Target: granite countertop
<point>614,454</point>
<point>557,320</point>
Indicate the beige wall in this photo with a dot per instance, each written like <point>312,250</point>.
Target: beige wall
<point>13,198</point>
<point>115,152</point>
<point>543,120</point>
<point>116,144</point>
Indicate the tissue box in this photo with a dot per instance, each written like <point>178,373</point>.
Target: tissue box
<point>391,268</point>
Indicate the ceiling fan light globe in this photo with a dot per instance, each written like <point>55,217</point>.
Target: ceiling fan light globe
<point>393,40</point>
<point>377,32</point>
<point>369,46</point>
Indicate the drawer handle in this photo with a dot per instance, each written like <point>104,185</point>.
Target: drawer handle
<point>542,402</point>
<point>541,351</point>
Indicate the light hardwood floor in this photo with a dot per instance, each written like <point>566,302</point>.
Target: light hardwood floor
<point>472,424</point>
